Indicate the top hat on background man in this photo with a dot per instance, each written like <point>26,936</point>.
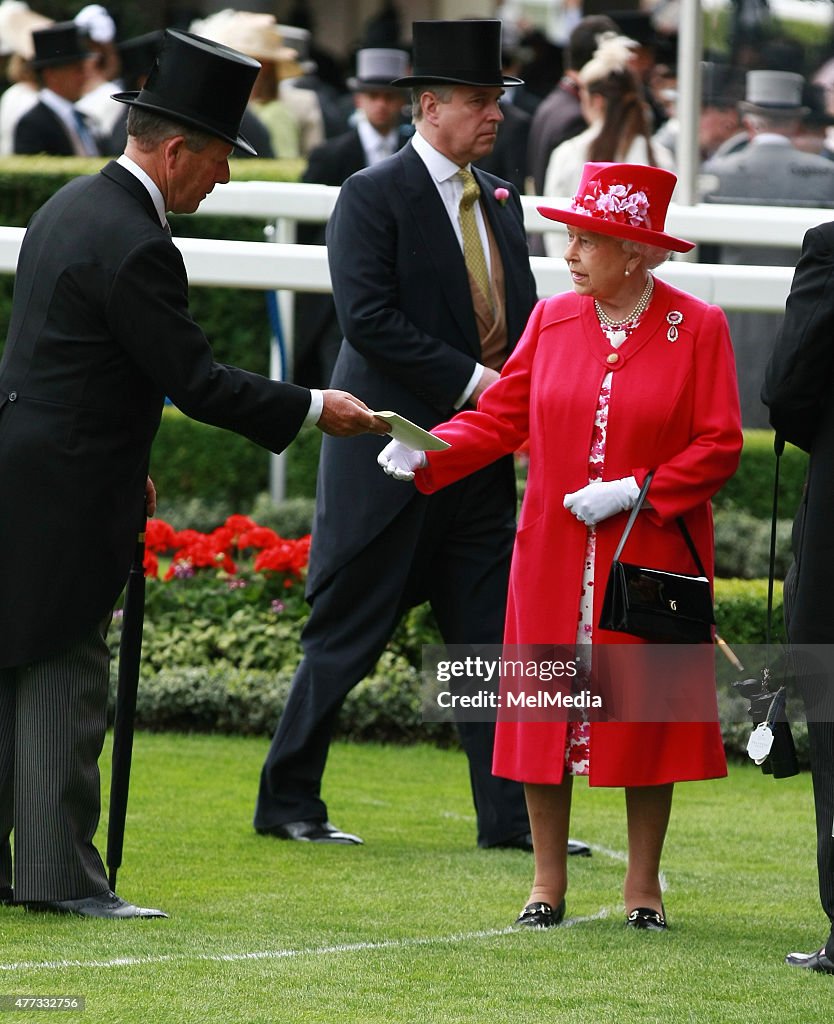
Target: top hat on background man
<point>722,85</point>
<point>299,39</point>
<point>61,43</point>
<point>138,54</point>
<point>623,201</point>
<point>376,68</point>
<point>466,52</point>
<point>813,97</point>
<point>199,83</point>
<point>774,93</point>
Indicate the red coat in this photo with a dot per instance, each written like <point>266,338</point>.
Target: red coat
<point>674,408</point>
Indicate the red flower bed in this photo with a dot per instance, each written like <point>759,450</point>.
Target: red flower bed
<point>239,537</point>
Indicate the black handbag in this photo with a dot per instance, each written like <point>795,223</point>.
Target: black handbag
<point>667,607</point>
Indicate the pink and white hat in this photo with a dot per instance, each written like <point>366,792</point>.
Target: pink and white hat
<point>623,200</point>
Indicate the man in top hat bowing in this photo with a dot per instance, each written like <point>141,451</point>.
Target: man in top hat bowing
<point>100,333</point>
<point>55,125</point>
<point>431,298</point>
<point>379,130</point>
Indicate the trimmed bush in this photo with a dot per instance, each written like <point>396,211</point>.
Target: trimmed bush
<point>751,489</point>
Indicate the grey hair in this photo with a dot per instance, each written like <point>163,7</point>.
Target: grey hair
<point>443,93</point>
<point>780,123</point>
<point>650,255</point>
<point>149,130</point>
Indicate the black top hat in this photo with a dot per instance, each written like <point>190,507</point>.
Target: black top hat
<point>813,97</point>
<point>58,44</point>
<point>637,25</point>
<point>466,52</point>
<point>199,83</point>
<point>722,85</point>
<point>138,54</point>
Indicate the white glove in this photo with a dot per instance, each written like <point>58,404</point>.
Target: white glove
<point>602,499</point>
<point>400,461</point>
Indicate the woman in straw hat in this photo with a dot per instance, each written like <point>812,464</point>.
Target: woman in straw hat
<point>621,376</point>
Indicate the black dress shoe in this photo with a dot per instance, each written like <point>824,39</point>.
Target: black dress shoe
<point>519,842</point>
<point>106,904</point>
<point>311,832</point>
<point>647,919</point>
<point>818,961</point>
<point>541,915</point>
<point>576,848</point>
<point>6,895</point>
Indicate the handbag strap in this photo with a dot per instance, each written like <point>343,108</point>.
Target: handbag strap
<point>644,490</point>
<point>635,511</point>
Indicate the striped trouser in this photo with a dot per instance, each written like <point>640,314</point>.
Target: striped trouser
<point>53,716</point>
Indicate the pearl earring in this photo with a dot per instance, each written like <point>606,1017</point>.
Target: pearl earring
<point>628,272</point>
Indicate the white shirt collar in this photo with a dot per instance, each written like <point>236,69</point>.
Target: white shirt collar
<point>440,167</point>
<point>770,139</point>
<point>371,139</point>
<point>62,107</point>
<point>150,185</point>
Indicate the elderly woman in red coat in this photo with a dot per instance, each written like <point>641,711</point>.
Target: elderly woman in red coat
<point>620,377</point>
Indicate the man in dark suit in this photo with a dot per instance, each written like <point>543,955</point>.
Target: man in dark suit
<point>100,333</point>
<point>54,125</point>
<point>424,339</point>
<point>378,131</point>
<point>798,386</point>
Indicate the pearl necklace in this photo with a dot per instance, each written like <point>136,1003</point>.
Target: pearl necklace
<point>629,321</point>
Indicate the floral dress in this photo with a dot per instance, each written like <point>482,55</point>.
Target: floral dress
<point>577,743</point>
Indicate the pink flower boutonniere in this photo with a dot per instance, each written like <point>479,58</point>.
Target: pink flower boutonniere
<point>502,195</point>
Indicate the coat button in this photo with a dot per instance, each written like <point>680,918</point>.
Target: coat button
<point>12,396</point>
<point>613,359</point>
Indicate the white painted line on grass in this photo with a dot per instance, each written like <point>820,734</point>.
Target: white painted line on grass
<point>281,954</point>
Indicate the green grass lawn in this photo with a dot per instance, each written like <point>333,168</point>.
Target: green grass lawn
<point>413,926</point>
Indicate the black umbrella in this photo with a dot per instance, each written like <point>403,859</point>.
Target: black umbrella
<point>130,653</point>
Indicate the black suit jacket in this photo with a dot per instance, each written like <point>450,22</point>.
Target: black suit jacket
<point>411,341</point>
<point>317,334</point>
<point>335,160</point>
<point>40,130</point>
<point>799,388</point>
<point>100,333</point>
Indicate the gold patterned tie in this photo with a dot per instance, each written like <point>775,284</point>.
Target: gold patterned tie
<point>473,250</point>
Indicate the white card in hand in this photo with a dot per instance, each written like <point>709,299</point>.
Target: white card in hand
<point>412,436</point>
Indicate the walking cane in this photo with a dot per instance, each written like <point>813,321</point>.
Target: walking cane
<point>130,653</point>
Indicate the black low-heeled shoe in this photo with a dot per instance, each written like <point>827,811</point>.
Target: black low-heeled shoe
<point>647,919</point>
<point>541,915</point>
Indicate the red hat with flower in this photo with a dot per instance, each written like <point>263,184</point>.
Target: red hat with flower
<point>623,200</point>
